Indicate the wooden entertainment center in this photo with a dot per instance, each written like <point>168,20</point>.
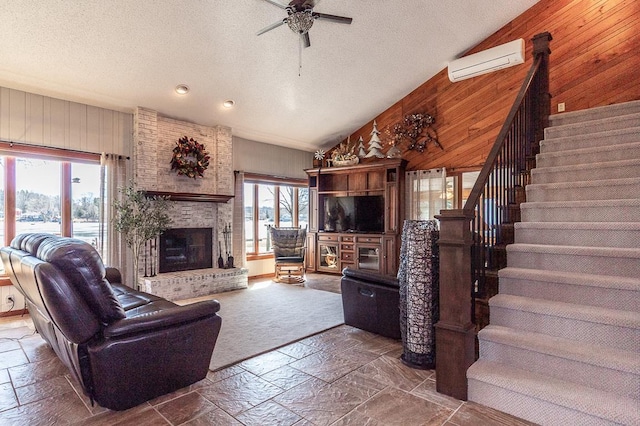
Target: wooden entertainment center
<point>344,203</point>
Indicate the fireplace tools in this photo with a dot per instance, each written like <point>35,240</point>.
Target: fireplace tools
<point>149,247</point>
<point>220,259</point>
<point>226,233</point>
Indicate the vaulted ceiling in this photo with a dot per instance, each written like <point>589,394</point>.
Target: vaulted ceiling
<point>121,54</point>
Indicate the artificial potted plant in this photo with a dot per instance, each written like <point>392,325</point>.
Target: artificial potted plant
<point>140,218</point>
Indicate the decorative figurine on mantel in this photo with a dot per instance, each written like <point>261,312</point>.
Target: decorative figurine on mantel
<point>318,158</point>
<point>343,155</point>
<point>361,152</point>
<point>375,145</point>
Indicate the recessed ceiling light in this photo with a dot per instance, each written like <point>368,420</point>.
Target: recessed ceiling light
<point>182,89</point>
<point>228,104</point>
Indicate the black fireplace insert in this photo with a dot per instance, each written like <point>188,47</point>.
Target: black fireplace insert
<point>184,249</point>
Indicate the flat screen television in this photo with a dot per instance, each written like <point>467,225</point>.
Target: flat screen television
<point>361,213</point>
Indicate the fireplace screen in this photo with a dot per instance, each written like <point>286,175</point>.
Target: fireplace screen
<point>183,249</point>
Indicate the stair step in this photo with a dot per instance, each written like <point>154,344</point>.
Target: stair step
<point>581,211</point>
<point>588,234</point>
<point>602,291</point>
<point>607,369</point>
<point>605,138</point>
<point>593,126</point>
<point>590,155</point>
<point>620,169</point>
<point>605,189</point>
<point>587,324</point>
<point>624,262</point>
<point>595,113</point>
<point>544,400</point>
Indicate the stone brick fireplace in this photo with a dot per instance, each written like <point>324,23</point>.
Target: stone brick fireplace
<point>196,203</point>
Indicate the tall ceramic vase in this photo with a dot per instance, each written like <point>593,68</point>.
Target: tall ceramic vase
<point>418,279</point>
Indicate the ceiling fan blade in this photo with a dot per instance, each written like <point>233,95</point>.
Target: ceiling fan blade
<point>334,18</point>
<point>277,4</point>
<point>272,26</point>
<point>305,39</point>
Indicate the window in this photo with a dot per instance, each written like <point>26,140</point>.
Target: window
<point>272,202</point>
<point>37,199</point>
<point>266,216</point>
<point>47,190</point>
<point>459,186</point>
<point>85,196</point>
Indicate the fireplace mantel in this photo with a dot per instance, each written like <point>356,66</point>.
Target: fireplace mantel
<point>187,196</point>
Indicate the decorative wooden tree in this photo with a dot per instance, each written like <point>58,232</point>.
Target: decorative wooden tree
<point>361,152</point>
<point>375,145</point>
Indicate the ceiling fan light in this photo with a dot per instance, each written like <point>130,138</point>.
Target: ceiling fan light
<point>300,22</point>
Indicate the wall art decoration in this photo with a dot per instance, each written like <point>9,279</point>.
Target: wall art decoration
<point>190,158</point>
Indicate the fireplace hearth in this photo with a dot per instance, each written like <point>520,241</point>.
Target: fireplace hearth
<point>184,249</point>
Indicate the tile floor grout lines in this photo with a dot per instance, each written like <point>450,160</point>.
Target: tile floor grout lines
<point>340,377</point>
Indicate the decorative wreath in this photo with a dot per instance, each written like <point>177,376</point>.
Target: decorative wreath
<point>189,158</point>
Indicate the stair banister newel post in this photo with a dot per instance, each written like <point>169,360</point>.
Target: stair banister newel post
<point>464,260</point>
<point>455,331</point>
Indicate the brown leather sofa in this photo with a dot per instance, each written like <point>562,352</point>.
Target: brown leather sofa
<point>122,346</point>
<point>371,302</point>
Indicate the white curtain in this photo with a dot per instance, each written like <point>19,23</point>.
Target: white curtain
<point>239,246</point>
<point>113,173</point>
<point>425,193</point>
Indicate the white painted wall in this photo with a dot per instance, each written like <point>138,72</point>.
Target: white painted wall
<point>261,267</point>
<point>6,291</point>
<point>43,121</point>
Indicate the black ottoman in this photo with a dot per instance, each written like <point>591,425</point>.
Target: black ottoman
<point>371,302</point>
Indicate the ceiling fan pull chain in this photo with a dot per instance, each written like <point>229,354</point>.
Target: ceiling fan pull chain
<point>299,56</point>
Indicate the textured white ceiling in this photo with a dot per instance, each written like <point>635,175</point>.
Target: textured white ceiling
<point>121,54</point>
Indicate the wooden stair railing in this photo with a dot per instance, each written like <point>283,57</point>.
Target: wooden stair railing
<point>473,239</point>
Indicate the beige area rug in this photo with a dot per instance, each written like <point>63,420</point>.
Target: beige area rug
<point>269,315</point>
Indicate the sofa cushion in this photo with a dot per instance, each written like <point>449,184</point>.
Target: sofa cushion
<point>82,264</point>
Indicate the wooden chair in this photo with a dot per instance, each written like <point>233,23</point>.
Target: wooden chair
<point>289,248</point>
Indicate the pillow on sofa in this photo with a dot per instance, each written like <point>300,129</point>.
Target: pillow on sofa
<point>82,264</point>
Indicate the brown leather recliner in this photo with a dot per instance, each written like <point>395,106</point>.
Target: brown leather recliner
<point>371,302</point>
<point>122,346</point>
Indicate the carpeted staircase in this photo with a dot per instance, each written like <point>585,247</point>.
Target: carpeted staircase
<point>563,344</point>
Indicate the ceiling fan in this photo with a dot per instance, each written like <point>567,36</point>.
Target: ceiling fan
<point>301,17</point>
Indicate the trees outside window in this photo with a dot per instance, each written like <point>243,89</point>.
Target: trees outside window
<point>38,186</point>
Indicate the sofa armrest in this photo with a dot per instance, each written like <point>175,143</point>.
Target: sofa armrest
<point>113,275</point>
<point>162,318</point>
<point>370,277</point>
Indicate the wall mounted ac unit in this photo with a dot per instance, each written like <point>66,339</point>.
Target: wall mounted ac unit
<point>499,57</point>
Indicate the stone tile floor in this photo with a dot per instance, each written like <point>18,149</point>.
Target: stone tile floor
<point>344,376</point>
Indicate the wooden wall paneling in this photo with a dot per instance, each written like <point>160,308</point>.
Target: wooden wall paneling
<point>594,62</point>
<point>17,115</point>
<point>36,124</point>
<point>76,127</point>
<point>107,125</point>
<point>4,113</point>
<point>93,126</point>
<point>57,123</point>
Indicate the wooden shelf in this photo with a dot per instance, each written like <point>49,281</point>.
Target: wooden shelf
<point>384,177</point>
<point>185,196</point>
